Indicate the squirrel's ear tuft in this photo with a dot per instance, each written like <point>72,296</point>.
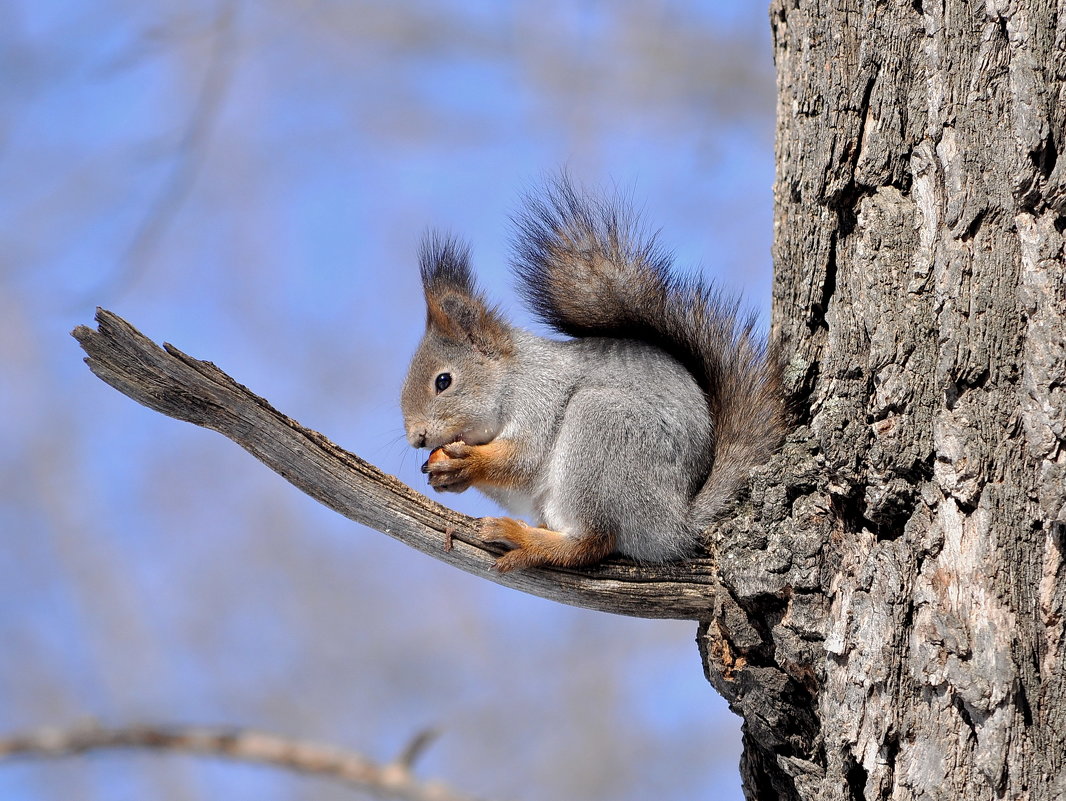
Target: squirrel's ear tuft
<point>455,308</point>
<point>445,265</point>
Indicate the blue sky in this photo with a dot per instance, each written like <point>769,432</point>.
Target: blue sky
<point>154,571</point>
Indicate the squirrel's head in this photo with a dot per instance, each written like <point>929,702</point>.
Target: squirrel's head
<point>457,382</point>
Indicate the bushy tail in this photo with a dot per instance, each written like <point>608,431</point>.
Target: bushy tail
<point>588,268</point>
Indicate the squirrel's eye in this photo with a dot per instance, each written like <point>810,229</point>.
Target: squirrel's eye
<point>444,380</point>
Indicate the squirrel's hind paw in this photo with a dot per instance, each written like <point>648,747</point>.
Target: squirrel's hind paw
<point>513,533</point>
<point>503,531</point>
<point>517,559</point>
<point>541,546</point>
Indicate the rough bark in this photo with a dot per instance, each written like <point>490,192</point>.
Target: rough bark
<point>902,595</point>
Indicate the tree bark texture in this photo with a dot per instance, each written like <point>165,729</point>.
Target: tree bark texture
<point>899,582</point>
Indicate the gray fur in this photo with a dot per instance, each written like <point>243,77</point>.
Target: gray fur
<point>615,425</point>
<point>622,442</point>
<point>588,269</point>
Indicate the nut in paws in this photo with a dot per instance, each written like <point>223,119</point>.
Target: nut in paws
<point>449,468</point>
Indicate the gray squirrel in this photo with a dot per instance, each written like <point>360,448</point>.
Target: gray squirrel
<point>633,435</point>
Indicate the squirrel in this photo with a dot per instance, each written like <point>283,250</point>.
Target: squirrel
<point>633,435</point>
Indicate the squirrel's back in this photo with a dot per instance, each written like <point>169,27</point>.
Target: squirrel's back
<point>588,270</point>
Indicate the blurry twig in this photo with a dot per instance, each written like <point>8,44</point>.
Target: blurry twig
<point>190,154</point>
<point>393,780</point>
<point>416,747</point>
<point>168,381</point>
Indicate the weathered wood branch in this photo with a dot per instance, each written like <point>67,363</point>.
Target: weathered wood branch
<point>169,381</point>
<point>392,780</point>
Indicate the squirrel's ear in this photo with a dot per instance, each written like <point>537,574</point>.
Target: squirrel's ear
<point>455,308</point>
<point>468,319</point>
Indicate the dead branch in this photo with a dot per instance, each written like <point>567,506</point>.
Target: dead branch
<point>393,780</point>
<point>169,381</point>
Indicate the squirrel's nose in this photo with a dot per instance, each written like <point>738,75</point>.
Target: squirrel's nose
<point>416,437</point>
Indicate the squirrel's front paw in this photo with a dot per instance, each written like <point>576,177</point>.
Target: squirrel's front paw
<point>449,468</point>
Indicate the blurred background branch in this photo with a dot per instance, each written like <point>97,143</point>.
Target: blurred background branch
<point>393,780</point>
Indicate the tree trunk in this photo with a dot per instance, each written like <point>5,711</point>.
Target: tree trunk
<point>894,624</point>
